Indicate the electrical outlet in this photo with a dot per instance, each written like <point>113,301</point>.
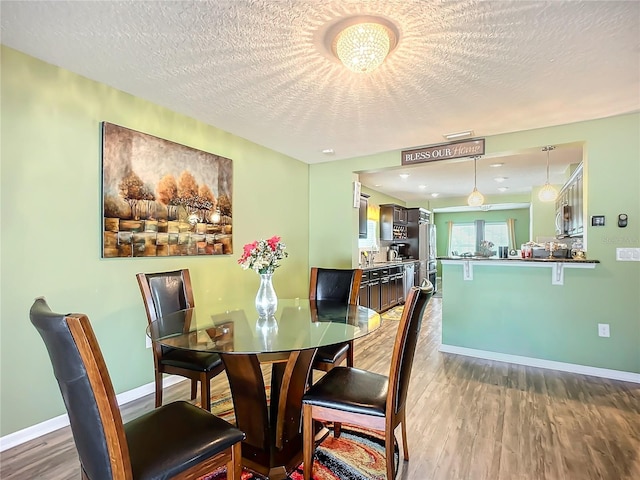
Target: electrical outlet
<point>603,330</point>
<point>147,341</point>
<point>628,254</point>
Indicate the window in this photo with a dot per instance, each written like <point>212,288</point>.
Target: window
<point>466,237</point>
<point>497,233</point>
<point>372,236</point>
<point>463,238</point>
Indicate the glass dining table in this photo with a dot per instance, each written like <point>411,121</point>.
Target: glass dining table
<point>287,342</point>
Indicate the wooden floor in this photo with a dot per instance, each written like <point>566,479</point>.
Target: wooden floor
<point>468,419</point>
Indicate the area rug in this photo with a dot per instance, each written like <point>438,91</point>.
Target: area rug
<point>394,313</point>
<point>357,455</point>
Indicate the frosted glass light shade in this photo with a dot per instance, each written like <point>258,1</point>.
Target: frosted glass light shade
<point>547,193</point>
<point>363,47</point>
<point>475,198</point>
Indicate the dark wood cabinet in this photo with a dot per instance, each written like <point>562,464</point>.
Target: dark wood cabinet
<point>569,205</point>
<point>399,280</point>
<point>374,294</point>
<point>363,293</point>
<point>399,214</point>
<point>382,288</point>
<point>385,292</point>
<point>393,222</point>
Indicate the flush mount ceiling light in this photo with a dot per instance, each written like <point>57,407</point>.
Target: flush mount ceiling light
<point>500,179</point>
<point>475,198</point>
<point>548,192</point>
<point>362,43</point>
<point>404,175</point>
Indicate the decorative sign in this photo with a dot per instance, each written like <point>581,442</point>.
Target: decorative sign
<point>443,151</point>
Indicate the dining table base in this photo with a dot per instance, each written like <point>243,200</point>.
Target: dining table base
<point>273,443</point>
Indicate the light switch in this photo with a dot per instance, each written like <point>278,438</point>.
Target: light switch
<point>628,254</point>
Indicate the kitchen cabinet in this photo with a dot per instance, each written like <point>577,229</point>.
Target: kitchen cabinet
<point>397,288</point>
<point>385,292</point>
<point>373,289</point>
<point>362,216</point>
<point>374,294</point>
<point>393,222</point>
<point>363,293</point>
<point>569,205</point>
<point>399,214</point>
<point>382,288</point>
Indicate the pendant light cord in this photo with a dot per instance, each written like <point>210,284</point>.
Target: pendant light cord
<point>475,172</point>
<point>548,148</point>
<point>547,165</point>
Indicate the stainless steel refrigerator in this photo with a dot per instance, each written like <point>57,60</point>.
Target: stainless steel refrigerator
<point>421,243</point>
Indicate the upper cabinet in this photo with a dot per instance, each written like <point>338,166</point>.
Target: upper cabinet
<point>362,216</point>
<point>569,205</point>
<point>393,222</point>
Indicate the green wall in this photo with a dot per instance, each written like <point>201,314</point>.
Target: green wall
<point>51,227</point>
<point>378,198</point>
<point>608,294</point>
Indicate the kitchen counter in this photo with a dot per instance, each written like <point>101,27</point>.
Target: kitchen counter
<point>523,260</point>
<point>557,265</point>
<point>393,263</point>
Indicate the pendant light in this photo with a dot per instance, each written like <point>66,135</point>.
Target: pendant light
<point>475,198</point>
<point>548,192</point>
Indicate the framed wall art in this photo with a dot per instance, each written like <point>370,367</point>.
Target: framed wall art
<point>160,198</point>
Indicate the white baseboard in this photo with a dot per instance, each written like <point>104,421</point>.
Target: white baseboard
<point>21,436</point>
<point>540,363</point>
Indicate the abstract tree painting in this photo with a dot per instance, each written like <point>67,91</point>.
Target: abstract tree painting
<point>160,198</point>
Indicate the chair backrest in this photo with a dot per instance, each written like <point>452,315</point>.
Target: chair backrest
<point>165,292</point>
<point>405,345</point>
<point>337,285</point>
<point>87,391</point>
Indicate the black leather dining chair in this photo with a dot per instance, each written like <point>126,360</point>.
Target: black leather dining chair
<point>168,292</point>
<point>340,286</point>
<point>351,396</point>
<point>175,441</point>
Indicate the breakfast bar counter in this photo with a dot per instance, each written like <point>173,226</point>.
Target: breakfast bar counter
<point>557,265</point>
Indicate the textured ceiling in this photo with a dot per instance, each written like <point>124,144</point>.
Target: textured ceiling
<point>262,70</point>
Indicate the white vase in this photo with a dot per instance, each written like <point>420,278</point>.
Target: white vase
<point>266,299</point>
